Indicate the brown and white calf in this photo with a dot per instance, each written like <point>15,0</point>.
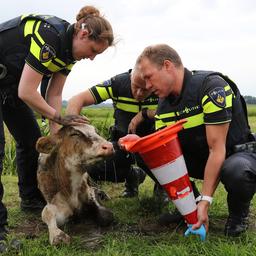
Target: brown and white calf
<point>63,180</point>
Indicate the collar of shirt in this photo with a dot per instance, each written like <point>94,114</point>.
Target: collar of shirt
<point>69,43</point>
<point>176,99</point>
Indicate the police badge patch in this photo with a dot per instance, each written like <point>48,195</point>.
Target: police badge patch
<point>47,52</point>
<point>106,83</point>
<point>218,97</point>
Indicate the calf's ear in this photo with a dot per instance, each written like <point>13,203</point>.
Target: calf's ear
<point>45,144</point>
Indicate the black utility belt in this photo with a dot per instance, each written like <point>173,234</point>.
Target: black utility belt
<point>249,147</point>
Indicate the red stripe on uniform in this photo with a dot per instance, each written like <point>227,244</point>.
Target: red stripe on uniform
<point>163,154</point>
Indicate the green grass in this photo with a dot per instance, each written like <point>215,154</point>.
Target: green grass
<point>101,118</point>
<point>136,231</point>
<point>252,121</point>
<point>251,108</point>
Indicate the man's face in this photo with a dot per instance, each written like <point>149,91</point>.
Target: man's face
<point>138,87</point>
<point>158,79</point>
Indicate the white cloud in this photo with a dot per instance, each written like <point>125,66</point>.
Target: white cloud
<point>208,34</point>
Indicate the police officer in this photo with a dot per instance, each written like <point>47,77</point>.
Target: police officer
<point>215,138</point>
<point>134,109</point>
<point>31,47</point>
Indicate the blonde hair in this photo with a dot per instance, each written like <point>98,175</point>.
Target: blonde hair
<point>99,28</point>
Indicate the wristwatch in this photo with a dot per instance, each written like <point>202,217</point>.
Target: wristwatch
<point>206,198</point>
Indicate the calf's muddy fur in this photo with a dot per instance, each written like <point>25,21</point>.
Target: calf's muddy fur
<point>63,180</point>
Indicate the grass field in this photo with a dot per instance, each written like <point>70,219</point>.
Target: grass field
<point>135,232</point>
<point>251,110</point>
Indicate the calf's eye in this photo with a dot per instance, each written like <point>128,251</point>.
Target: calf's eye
<point>74,134</point>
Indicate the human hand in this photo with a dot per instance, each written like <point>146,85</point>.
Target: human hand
<point>200,232</point>
<point>135,122</point>
<point>202,215</point>
<point>70,119</point>
<point>124,141</point>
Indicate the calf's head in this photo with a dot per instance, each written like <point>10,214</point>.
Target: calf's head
<point>76,145</point>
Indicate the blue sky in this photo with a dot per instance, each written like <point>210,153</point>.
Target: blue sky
<point>208,34</point>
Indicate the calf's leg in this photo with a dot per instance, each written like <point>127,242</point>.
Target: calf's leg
<point>53,216</point>
<point>104,216</point>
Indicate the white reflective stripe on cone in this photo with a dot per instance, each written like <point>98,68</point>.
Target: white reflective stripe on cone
<point>186,204</point>
<point>170,171</point>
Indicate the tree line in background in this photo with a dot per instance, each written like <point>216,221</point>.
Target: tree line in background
<point>250,99</point>
<point>100,105</point>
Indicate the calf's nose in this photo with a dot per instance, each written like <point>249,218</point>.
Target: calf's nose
<point>107,148</point>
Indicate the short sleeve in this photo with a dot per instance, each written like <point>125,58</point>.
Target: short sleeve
<point>102,91</point>
<point>216,100</point>
<point>44,46</point>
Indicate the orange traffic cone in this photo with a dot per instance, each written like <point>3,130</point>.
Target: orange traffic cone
<point>162,153</point>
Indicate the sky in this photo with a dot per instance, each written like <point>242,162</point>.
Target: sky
<point>217,35</point>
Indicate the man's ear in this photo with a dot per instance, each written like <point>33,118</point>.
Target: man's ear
<point>168,64</point>
<point>46,144</point>
<point>84,33</point>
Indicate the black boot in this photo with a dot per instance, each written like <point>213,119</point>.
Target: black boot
<point>238,219</point>
<point>3,236</point>
<point>160,194</point>
<point>168,218</point>
<point>14,244</point>
<point>32,204</point>
<point>135,177</point>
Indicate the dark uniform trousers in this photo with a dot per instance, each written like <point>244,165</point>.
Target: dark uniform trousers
<point>21,123</point>
<point>238,175</point>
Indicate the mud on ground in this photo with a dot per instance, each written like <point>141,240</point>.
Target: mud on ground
<point>91,235</point>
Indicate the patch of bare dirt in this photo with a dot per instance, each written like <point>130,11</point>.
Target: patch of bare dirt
<point>88,231</point>
<point>91,235</point>
<point>31,227</point>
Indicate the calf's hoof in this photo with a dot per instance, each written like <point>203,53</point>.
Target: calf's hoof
<point>61,238</point>
<point>105,217</point>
